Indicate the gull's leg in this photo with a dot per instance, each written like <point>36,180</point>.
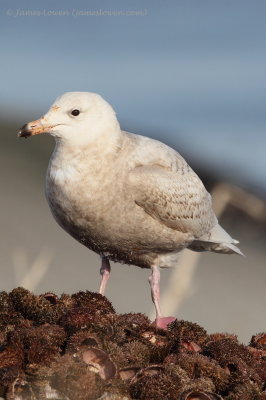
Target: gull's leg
<point>105,273</point>
<point>154,280</point>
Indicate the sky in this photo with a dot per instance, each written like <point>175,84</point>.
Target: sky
<point>189,72</point>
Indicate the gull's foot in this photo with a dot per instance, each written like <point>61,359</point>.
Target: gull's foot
<point>162,322</point>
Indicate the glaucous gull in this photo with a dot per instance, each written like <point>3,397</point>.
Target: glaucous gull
<point>129,198</point>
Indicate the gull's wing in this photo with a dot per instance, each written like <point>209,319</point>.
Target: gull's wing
<point>167,189</point>
<point>176,197</point>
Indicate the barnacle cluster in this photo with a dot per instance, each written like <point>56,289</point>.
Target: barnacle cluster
<point>75,347</point>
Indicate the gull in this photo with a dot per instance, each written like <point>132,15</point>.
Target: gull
<point>129,198</point>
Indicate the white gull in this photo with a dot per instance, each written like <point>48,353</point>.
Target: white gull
<point>127,197</point>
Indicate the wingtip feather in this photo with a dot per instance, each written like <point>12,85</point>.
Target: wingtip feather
<point>233,248</point>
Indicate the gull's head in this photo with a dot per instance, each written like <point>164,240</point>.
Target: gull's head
<point>75,117</point>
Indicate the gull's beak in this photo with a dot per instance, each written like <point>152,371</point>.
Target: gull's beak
<point>32,128</point>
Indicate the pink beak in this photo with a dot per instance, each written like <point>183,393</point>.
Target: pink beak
<point>32,128</point>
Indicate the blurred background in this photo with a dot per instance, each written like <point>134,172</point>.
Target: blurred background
<point>189,73</point>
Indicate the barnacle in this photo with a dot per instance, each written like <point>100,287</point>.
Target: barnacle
<point>9,318</point>
<point>116,353</point>
<point>78,318</point>
<point>66,300</point>
<point>155,387</point>
<point>12,355</point>
<point>9,322</point>
<point>259,341</point>
<point>135,353</point>
<point>88,310</point>
<point>226,350</point>
<point>51,297</point>
<point>6,305</point>
<point>237,360</point>
<point>133,322</point>
<point>96,302</point>
<point>74,379</point>
<point>158,342</point>
<point>33,307</point>
<point>240,372</point>
<point>258,354</point>
<point>82,340</point>
<point>245,391</point>
<point>127,327</point>
<point>260,369</point>
<point>214,337</point>
<point>43,343</point>
<point>199,366</point>
<point>187,335</point>
<point>175,370</point>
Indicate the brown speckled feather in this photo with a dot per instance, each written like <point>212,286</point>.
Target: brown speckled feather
<point>175,198</point>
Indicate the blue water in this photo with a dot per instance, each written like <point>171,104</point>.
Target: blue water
<point>189,72</point>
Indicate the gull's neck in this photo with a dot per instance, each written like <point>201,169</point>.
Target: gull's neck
<point>106,145</point>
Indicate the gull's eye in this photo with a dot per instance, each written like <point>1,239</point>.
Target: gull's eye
<point>75,112</point>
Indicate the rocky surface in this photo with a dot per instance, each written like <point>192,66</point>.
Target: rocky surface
<point>75,347</point>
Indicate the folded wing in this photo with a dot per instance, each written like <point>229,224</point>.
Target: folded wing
<point>177,199</point>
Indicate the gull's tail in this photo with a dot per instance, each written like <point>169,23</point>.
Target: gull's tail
<point>218,241</point>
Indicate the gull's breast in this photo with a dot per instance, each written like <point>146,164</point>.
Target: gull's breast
<point>84,202</point>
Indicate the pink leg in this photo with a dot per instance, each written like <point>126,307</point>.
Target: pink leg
<point>154,279</point>
<point>105,273</point>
